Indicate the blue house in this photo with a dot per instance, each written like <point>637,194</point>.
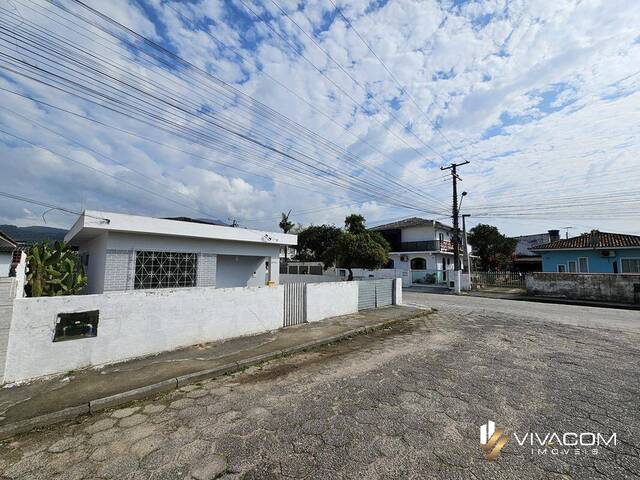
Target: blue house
<point>593,252</point>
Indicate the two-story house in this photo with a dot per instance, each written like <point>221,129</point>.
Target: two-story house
<point>421,247</point>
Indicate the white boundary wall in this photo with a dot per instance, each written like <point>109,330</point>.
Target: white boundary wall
<point>134,324</point>
<point>147,322</point>
<point>297,278</point>
<point>326,300</point>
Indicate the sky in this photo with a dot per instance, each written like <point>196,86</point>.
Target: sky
<point>324,108</point>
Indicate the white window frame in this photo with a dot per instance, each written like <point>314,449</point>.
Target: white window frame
<point>627,258</point>
<point>569,268</point>
<point>587,259</point>
<point>564,268</point>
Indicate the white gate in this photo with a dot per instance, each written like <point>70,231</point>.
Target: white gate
<point>366,294</point>
<point>384,292</point>
<point>375,293</point>
<point>295,308</point>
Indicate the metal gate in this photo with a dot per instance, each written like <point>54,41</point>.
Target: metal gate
<point>375,293</point>
<point>295,308</point>
<point>384,292</point>
<point>366,294</point>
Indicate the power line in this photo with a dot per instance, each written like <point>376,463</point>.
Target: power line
<point>348,95</point>
<point>281,84</point>
<point>354,80</point>
<point>121,112</point>
<point>395,79</point>
<point>50,206</point>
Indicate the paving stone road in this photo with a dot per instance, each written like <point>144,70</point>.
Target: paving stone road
<point>405,402</point>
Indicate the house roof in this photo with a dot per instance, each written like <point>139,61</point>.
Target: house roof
<point>410,222</point>
<point>93,223</point>
<point>528,242</point>
<point>593,240</point>
<point>7,243</point>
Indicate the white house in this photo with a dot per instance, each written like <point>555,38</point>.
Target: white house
<point>129,252</point>
<point>7,247</point>
<point>422,248</point>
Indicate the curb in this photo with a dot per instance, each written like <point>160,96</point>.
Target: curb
<point>559,301</point>
<point>94,406</point>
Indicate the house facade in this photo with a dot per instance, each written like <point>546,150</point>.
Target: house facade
<point>129,252</point>
<point>422,248</point>
<point>528,260</point>
<point>7,249</point>
<point>593,252</point>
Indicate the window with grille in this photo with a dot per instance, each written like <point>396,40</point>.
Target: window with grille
<point>630,265</point>
<point>165,270</point>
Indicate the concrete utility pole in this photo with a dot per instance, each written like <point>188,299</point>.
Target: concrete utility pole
<point>467,260</point>
<point>456,225</point>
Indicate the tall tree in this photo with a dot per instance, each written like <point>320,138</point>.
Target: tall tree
<point>494,249</point>
<point>358,247</point>
<point>317,243</point>
<point>286,226</point>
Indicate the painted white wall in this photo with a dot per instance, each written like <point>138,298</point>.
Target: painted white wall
<point>134,324</point>
<point>135,241</point>
<point>5,263</point>
<point>331,299</point>
<point>21,275</point>
<point>418,234</point>
<point>291,278</point>
<point>397,294</point>
<point>240,271</point>
<point>95,222</point>
<point>97,247</point>
<point>446,234</point>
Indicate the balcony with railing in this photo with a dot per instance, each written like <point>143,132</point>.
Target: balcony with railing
<point>426,246</point>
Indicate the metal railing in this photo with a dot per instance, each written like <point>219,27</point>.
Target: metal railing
<point>427,246</point>
<point>498,279</point>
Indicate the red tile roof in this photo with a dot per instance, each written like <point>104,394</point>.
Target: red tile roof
<point>593,239</point>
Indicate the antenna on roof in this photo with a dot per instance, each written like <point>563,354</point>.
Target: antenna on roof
<point>566,231</point>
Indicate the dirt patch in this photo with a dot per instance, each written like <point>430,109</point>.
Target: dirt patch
<point>286,365</point>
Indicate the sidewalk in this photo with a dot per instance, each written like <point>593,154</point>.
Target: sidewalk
<point>43,402</point>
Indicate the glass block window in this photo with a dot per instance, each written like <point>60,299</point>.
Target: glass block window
<point>165,270</point>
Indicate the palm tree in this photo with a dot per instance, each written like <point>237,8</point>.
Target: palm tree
<point>286,226</point>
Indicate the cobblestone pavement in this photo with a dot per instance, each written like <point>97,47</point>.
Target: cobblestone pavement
<point>405,402</point>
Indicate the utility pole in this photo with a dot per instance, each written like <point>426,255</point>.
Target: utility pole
<point>467,260</point>
<point>456,225</point>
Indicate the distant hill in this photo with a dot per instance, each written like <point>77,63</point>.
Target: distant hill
<point>33,234</point>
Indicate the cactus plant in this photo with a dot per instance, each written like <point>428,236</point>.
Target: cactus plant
<point>54,270</point>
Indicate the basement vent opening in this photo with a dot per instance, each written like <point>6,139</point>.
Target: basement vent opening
<point>77,325</point>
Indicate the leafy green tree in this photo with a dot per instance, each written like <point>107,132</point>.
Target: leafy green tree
<point>54,270</point>
<point>286,226</point>
<point>317,243</point>
<point>494,249</point>
<point>358,247</point>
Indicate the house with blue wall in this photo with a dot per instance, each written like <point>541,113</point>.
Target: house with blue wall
<point>593,252</point>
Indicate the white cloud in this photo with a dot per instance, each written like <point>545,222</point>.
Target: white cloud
<point>536,94</point>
